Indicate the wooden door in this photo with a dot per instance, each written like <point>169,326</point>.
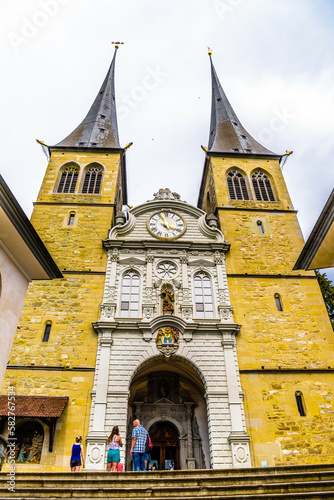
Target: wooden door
<point>165,442</point>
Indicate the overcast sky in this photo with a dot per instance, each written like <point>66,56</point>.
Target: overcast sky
<point>274,58</point>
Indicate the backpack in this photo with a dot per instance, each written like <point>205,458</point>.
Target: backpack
<point>148,445</point>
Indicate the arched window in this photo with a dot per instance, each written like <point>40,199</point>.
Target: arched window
<point>262,187</point>
<point>237,186</point>
<point>300,403</point>
<point>130,295</point>
<point>278,302</point>
<point>260,226</point>
<point>71,219</point>
<point>203,296</point>
<point>93,178</point>
<point>47,331</point>
<point>68,179</point>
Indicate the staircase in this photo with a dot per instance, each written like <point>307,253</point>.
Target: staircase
<point>294,482</point>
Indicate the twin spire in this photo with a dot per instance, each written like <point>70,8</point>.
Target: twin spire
<point>227,135</point>
<point>99,128</point>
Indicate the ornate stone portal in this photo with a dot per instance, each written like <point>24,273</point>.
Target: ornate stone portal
<point>163,401</point>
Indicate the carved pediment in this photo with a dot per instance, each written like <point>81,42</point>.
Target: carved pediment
<point>164,401</point>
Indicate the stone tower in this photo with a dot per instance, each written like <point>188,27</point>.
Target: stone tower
<point>55,347</point>
<point>285,346</point>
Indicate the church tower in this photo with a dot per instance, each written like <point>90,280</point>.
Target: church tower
<point>53,358</point>
<point>285,346</point>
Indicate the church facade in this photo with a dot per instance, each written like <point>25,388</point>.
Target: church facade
<point>188,318</point>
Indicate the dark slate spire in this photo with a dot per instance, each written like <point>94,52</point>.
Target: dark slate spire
<point>99,128</point>
<point>227,135</point>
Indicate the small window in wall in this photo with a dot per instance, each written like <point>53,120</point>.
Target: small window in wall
<point>68,180</point>
<point>208,203</point>
<point>300,403</point>
<point>93,179</point>
<point>278,302</point>
<point>262,187</point>
<point>47,331</point>
<point>260,226</point>
<point>71,219</point>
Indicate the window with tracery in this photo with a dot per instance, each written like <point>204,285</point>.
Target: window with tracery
<point>203,296</point>
<point>129,307</point>
<point>262,187</point>
<point>237,186</point>
<point>68,179</point>
<point>92,181</point>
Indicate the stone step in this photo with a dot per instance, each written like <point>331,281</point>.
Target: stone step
<point>267,483</point>
<point>145,480</point>
<point>171,491</point>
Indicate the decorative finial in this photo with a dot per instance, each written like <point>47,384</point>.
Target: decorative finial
<point>117,44</point>
<point>209,52</point>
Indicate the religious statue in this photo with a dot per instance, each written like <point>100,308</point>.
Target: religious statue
<point>168,298</point>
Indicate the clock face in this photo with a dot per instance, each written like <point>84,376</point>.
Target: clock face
<point>166,225</point>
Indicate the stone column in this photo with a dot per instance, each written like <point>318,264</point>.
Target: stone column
<point>96,439</point>
<point>238,439</point>
<point>108,307</point>
<point>148,305</point>
<point>183,452</point>
<point>191,463</point>
<point>222,282</point>
<point>186,306</point>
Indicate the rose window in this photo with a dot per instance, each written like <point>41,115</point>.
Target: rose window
<point>166,270</point>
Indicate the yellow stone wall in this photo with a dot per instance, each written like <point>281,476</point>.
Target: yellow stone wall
<point>71,304</point>
<point>279,352</point>
<point>278,434</point>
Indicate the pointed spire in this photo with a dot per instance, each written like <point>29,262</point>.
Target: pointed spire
<point>99,128</point>
<point>227,135</point>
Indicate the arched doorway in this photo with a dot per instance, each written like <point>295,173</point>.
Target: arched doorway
<point>169,401</point>
<point>166,445</point>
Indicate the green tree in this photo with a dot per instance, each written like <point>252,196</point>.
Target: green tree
<point>327,290</point>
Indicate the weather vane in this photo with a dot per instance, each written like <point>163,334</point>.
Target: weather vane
<point>117,44</point>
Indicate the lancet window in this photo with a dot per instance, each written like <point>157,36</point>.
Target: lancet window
<point>262,187</point>
<point>68,179</point>
<point>237,185</point>
<point>92,181</point>
<point>203,296</point>
<point>129,306</point>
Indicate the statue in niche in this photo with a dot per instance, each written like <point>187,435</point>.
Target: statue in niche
<point>168,298</point>
<point>163,390</point>
<point>36,448</point>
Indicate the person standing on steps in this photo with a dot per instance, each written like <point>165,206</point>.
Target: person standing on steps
<point>114,443</point>
<point>138,446</point>
<point>77,455</point>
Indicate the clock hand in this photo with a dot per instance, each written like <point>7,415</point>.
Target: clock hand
<point>165,223</point>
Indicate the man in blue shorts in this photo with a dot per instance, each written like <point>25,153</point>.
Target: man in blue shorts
<point>138,446</point>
